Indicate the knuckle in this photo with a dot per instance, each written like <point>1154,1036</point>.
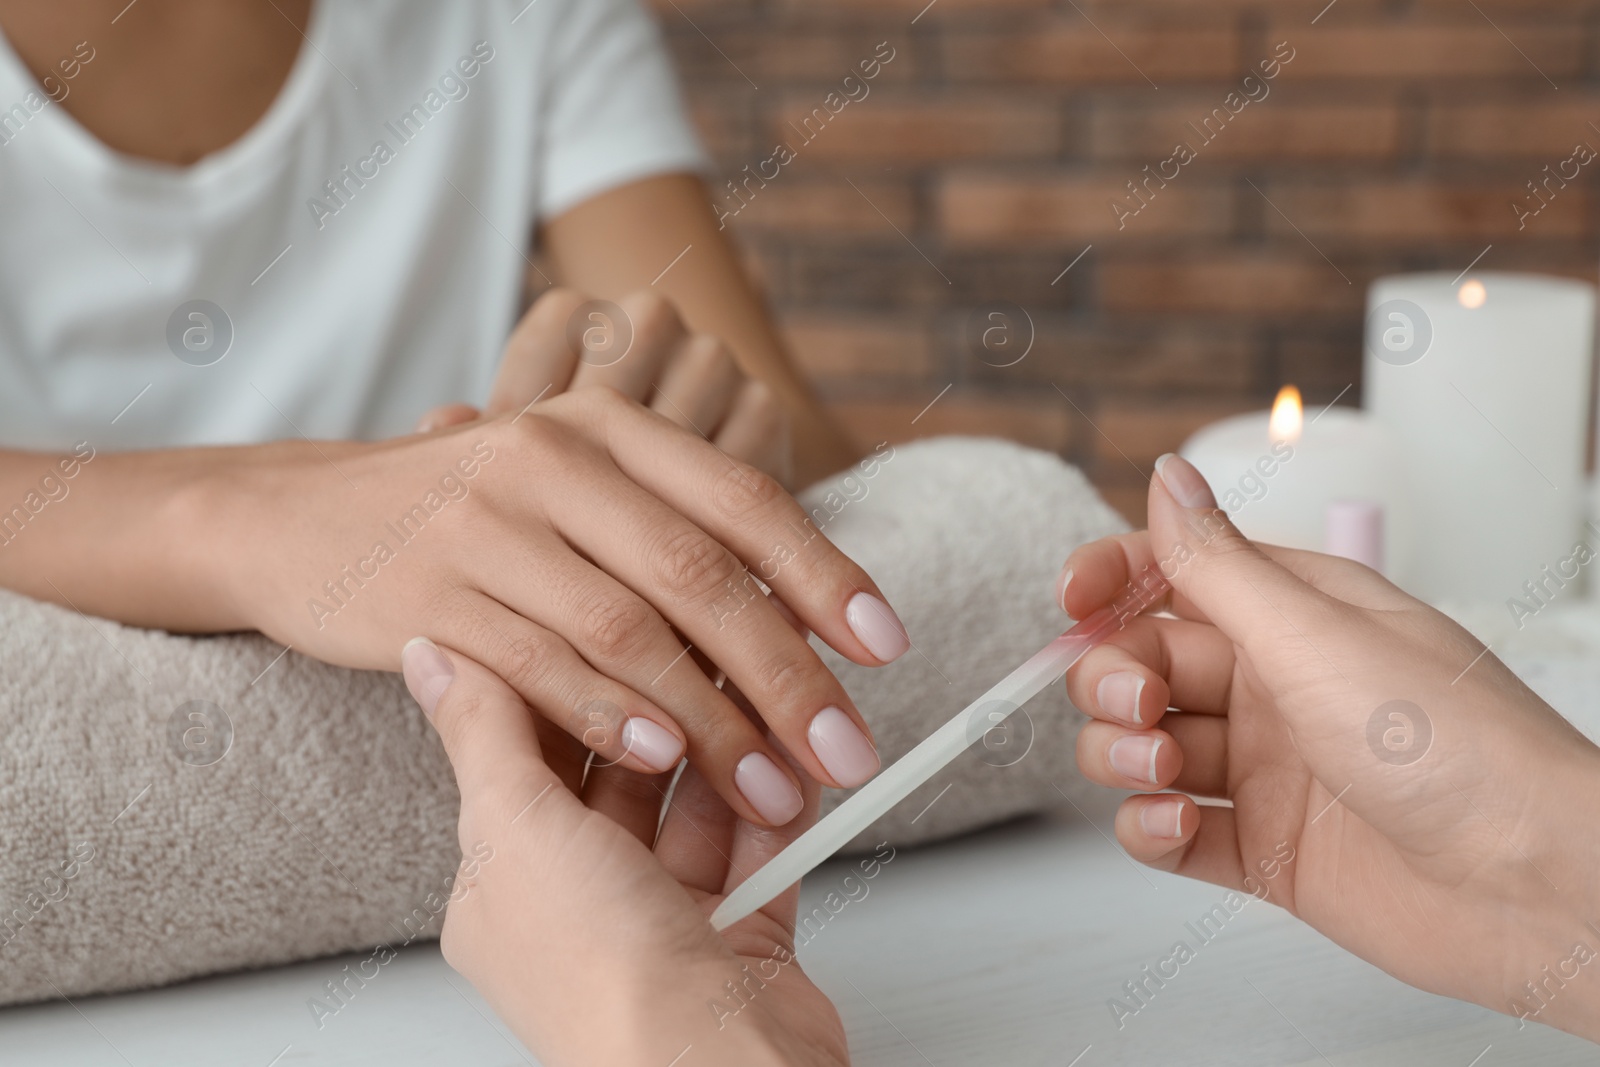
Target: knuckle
<point>792,676</point>
<point>690,564</point>
<point>616,628</point>
<point>533,658</point>
<point>552,309</point>
<point>743,490</point>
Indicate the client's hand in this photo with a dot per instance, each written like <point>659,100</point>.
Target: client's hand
<point>593,948</point>
<point>567,547</point>
<point>1392,784</point>
<point>641,348</point>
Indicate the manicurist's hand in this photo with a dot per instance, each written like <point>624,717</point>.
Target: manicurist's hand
<point>586,930</point>
<point>1391,783</point>
<point>576,547</point>
<point>639,347</point>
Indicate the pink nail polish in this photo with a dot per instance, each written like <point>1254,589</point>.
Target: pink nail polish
<point>1118,694</point>
<point>655,745</point>
<point>877,626</point>
<point>1135,757</point>
<point>767,788</point>
<point>427,672</point>
<point>1163,818</point>
<point>843,749</point>
<point>1187,485</point>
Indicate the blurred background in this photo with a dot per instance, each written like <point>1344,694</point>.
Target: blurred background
<point>985,159</point>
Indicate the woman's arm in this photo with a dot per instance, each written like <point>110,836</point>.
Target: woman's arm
<point>574,547</point>
<point>632,237</point>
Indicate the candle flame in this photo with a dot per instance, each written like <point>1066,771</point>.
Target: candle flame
<point>1287,415</point>
<point>1472,294</point>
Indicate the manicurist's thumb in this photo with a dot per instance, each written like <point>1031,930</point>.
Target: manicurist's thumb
<point>1250,597</point>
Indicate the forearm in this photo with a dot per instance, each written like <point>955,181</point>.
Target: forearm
<point>126,536</point>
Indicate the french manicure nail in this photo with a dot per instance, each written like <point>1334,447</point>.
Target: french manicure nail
<point>877,626</point>
<point>843,749</point>
<point>1061,589</point>
<point>1135,757</point>
<point>1187,485</point>
<point>656,746</point>
<point>1163,818</point>
<point>1118,694</point>
<point>427,672</point>
<point>767,788</point>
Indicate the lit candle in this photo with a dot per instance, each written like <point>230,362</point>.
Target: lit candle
<point>1287,479</point>
<point>1485,382</point>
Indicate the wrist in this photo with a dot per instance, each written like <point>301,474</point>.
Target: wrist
<point>1562,946</point>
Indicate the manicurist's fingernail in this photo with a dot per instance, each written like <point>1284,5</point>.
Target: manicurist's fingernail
<point>877,626</point>
<point>1163,818</point>
<point>841,746</point>
<point>1187,485</point>
<point>427,672</point>
<point>424,424</point>
<point>1135,757</point>
<point>1118,694</point>
<point>1061,589</point>
<point>767,788</point>
<point>656,746</point>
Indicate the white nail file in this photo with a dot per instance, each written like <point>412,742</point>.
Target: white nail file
<point>902,778</point>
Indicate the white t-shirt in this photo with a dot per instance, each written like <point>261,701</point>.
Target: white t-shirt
<point>365,241</point>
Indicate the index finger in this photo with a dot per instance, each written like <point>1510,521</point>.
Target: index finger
<point>749,512</point>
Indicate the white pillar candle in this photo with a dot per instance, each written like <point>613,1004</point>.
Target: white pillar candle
<point>1279,474</point>
<point>1485,382</point>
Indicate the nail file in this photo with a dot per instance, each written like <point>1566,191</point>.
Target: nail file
<point>903,777</point>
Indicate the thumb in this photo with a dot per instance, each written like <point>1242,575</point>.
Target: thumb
<point>1251,598</point>
<point>487,730</point>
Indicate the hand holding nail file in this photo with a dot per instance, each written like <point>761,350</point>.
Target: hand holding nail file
<point>933,754</point>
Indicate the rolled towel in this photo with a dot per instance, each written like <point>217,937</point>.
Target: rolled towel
<point>175,806</point>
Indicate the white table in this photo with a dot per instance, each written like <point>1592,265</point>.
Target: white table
<point>1002,948</point>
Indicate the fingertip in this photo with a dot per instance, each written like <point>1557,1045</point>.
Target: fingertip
<point>428,672</point>
<point>1157,828</point>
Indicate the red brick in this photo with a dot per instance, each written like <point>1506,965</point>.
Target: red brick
<point>1076,54</point>
<point>902,12</point>
<point>1418,211</point>
<point>858,346</point>
<point>1269,129</point>
<point>801,207</point>
<point>1419,51</point>
<point>786,58</point>
<point>919,129</point>
<point>988,208</point>
<point>1179,356</point>
<point>1036,423</point>
<point>1544,126</point>
<point>1251,285</point>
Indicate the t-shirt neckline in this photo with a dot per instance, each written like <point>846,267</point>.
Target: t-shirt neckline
<point>254,150</point>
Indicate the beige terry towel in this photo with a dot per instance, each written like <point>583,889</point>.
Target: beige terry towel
<point>175,806</point>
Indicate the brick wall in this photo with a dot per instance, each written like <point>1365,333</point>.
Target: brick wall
<point>986,155</point>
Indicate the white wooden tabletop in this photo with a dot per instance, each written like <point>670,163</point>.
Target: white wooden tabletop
<point>998,949</point>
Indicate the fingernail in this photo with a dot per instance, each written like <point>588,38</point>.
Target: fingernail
<point>877,626</point>
<point>1061,589</point>
<point>1135,757</point>
<point>427,672</point>
<point>767,789</point>
<point>1163,818</point>
<point>843,749</point>
<point>1118,694</point>
<point>424,425</point>
<point>656,746</point>
<point>1187,485</point>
